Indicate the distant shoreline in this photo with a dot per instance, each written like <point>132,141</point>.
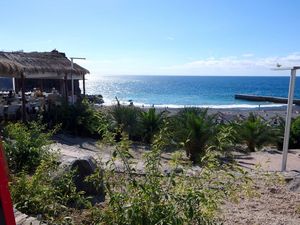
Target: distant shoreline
<point>265,112</point>
<point>241,106</point>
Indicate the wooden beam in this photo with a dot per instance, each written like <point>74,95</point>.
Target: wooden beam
<point>66,88</point>
<point>83,84</point>
<point>23,98</point>
<point>41,84</point>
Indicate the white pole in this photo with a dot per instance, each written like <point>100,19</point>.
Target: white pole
<point>72,81</point>
<point>288,120</point>
<point>14,84</point>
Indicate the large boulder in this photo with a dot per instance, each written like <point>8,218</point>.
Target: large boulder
<point>294,184</point>
<point>85,167</point>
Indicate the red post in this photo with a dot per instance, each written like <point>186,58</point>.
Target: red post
<point>5,199</point>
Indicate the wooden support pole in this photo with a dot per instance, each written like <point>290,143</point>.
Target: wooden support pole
<point>66,88</point>
<point>83,84</point>
<point>41,85</point>
<point>23,98</point>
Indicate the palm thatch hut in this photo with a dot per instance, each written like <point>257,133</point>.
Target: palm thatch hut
<point>42,69</point>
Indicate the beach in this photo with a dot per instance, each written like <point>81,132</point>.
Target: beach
<point>231,113</point>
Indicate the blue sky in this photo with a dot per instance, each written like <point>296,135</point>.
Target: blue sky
<point>187,37</point>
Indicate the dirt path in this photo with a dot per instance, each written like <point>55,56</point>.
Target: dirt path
<point>71,148</point>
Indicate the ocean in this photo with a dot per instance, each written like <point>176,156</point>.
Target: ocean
<point>182,91</point>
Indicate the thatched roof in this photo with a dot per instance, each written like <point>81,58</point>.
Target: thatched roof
<point>31,63</point>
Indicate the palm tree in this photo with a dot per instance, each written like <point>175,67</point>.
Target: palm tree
<point>255,132</point>
<point>125,118</point>
<point>150,123</point>
<point>278,124</point>
<point>195,129</point>
<point>295,133</point>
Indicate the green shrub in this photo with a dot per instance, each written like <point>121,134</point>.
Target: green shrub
<point>279,127</point>
<point>80,119</point>
<point>26,145</point>
<point>42,194</point>
<point>225,139</point>
<point>195,129</point>
<point>91,120</point>
<point>154,198</point>
<point>255,132</point>
<point>278,124</point>
<point>126,119</point>
<point>151,122</point>
<point>295,133</point>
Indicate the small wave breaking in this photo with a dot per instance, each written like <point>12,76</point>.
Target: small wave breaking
<point>108,102</point>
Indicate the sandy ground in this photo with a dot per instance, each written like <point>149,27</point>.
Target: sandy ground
<point>75,147</point>
<point>269,160</point>
<point>276,203</point>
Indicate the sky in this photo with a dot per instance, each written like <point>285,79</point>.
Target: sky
<point>158,37</point>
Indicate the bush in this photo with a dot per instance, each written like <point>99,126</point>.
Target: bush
<point>126,119</point>
<point>295,133</point>
<point>154,198</point>
<point>151,122</point>
<point>195,129</point>
<point>278,125</point>
<point>26,145</point>
<point>255,132</point>
<point>225,139</point>
<point>80,119</point>
<point>42,194</point>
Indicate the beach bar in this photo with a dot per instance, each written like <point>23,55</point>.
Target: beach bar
<point>43,70</point>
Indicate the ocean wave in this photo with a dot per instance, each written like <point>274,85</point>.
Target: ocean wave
<point>108,102</point>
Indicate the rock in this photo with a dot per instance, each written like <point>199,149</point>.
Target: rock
<point>273,190</point>
<point>95,99</point>
<point>177,170</point>
<point>294,185</point>
<point>24,219</point>
<point>85,167</point>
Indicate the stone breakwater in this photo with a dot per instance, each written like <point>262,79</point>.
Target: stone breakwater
<point>259,98</point>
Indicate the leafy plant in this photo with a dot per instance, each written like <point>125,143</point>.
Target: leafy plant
<point>254,132</point>
<point>26,145</point>
<point>42,194</point>
<point>295,133</point>
<point>81,118</point>
<point>195,129</point>
<point>151,122</point>
<point>225,139</point>
<point>126,118</point>
<point>278,124</point>
<point>92,120</point>
<point>154,198</point>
